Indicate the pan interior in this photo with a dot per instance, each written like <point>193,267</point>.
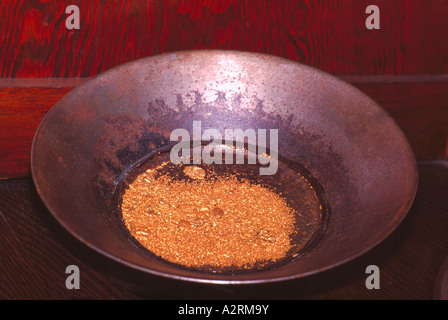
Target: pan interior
<point>220,217</point>
<point>93,143</point>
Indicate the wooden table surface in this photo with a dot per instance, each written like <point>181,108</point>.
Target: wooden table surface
<point>35,251</point>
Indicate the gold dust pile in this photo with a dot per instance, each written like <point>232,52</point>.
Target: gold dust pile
<point>223,222</point>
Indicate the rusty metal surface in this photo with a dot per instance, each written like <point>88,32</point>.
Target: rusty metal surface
<point>342,137</point>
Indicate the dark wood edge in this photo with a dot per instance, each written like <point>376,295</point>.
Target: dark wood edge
<point>41,82</point>
<point>419,104</point>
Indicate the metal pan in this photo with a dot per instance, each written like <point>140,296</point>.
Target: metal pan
<point>345,142</point>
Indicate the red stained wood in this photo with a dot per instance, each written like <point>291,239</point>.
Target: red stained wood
<point>21,111</point>
<point>328,34</point>
<point>420,108</point>
<point>419,105</point>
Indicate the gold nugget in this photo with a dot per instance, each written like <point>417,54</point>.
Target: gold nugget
<point>195,172</point>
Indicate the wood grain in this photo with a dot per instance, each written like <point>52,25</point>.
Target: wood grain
<point>328,34</point>
<point>35,251</point>
<point>21,111</point>
<point>419,105</point>
<point>420,108</point>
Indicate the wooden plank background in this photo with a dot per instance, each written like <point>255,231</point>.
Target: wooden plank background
<point>402,66</point>
<point>328,34</point>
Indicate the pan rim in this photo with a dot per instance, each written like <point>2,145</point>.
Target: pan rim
<point>203,278</point>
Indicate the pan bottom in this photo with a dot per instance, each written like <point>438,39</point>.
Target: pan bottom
<point>221,218</point>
